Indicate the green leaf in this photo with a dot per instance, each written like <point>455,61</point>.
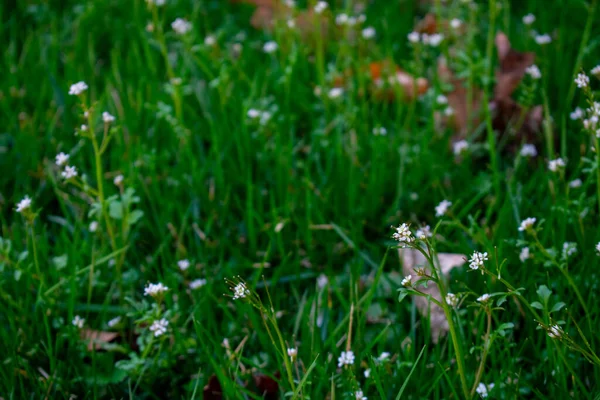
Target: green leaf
<point>557,306</point>
<point>544,293</point>
<point>403,293</point>
<point>134,217</point>
<point>115,210</point>
<point>61,261</point>
<point>538,305</point>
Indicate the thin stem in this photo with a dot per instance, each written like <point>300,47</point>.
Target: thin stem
<point>486,348</point>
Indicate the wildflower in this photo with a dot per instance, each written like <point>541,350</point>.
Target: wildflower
<point>460,146</point>
<point>341,19</point>
<point>335,93</point>
<point>155,289</point>
<point>384,356</point>
<point>292,353</point>
<point>78,321</point>
<point>77,88</point>
<point>352,21</point>
<point>291,23</point>
<point>157,3</point>
<point>528,19</point>
<point>159,327</point>
<point>483,298</point>
<point>107,117</point>
<point>270,47</point>
<point>575,183</point>
<point>441,99</point>
<point>414,37</point>
<point>197,283</point>
<point>210,40</point>
<point>449,111</point>
<point>433,40</point>
<point>359,395</point>
<point>455,23</point>
<point>368,33</point>
<point>576,114</point>
<point>407,281</point>
<point>483,389</point>
<point>424,232</point>
<point>181,26</point>
<point>543,39</point>
<point>118,181</point>
<point>569,249</point>
<point>534,72</point>
<point>114,322</point>
<point>290,3</point>
<point>451,299</point>
<point>346,358</point>
<point>320,7</point>
<point>367,373</point>
<point>93,226</point>
<point>596,71</point>
<point>555,165</point>
<point>83,128</point>
<point>590,123</point>
<point>240,291</point>
<point>265,116</point>
<point>442,208</point>
<point>526,224</point>
<point>555,332</point>
<point>403,234</point>
<point>23,205</point>
<point>477,260</point>
<point>61,159</point>
<point>69,172</point>
<point>524,254</point>
<point>582,80</point>
<point>380,131</point>
<point>598,248</point>
<point>253,113</point>
<point>322,281</point>
<point>528,150</point>
<point>183,264</point>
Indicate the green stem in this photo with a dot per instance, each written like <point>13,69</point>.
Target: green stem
<point>486,347</point>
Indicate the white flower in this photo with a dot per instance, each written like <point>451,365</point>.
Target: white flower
<point>341,19</point>
<point>598,248</point>
<point>384,356</point>
<point>291,23</point>
<point>322,281</point>
<point>526,224</point>
<point>181,26</point>
<point>83,128</point>
<point>477,260</point>
<point>157,3</point>
<point>414,37</point>
<point>240,291</point>
<point>524,254</point>
<point>320,7</point>
<point>292,353</point>
<point>455,23</point>
<point>118,180</point>
<point>423,232</point>
<point>528,19</point>
<point>197,283</point>
<point>359,395</point>
<point>69,172</point>
<point>533,71</point>
<point>460,146</point>
<point>483,390</point>
<point>582,80</point>
<point>353,21</point>
<point>77,88</point>
<point>380,131</point>
<point>367,373</point>
<point>346,358</point>
<point>555,165</point>
<point>483,298</point>
<point>24,204</point>
<point>403,234</point>
<point>289,3</point>
<point>576,114</point>
<point>113,322</point>
<point>407,281</point>
<point>590,123</point>
<point>596,71</point>
<point>159,327</point>
<point>368,33</point>
<point>442,208</point>
<point>569,249</point>
<point>61,159</point>
<point>265,116</point>
<point>575,183</point>
<point>210,40</point>
<point>183,264</point>
<point>253,113</point>
<point>543,39</point>
<point>441,99</point>
<point>78,321</point>
<point>433,40</point>
<point>107,118</point>
<point>449,111</point>
<point>155,289</point>
<point>93,226</point>
<point>270,47</point>
<point>528,150</point>
<point>335,93</point>
<point>451,299</point>
<point>555,332</point>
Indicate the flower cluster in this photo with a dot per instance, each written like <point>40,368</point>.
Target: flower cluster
<point>403,234</point>
<point>155,289</point>
<point>526,224</point>
<point>477,260</point>
<point>346,358</point>
<point>159,327</point>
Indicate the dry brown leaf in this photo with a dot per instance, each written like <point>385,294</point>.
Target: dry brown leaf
<point>212,389</point>
<point>267,387</point>
<point>412,259</point>
<point>427,25</point>
<point>512,67</point>
<point>97,339</point>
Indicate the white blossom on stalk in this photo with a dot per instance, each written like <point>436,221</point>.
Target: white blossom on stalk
<point>240,291</point>
<point>118,181</point>
<point>483,298</point>
<point>442,208</point>
<point>77,88</point>
<point>61,159</point>
<point>449,111</point>
<point>183,264</point>
<point>270,47</point>
<point>78,321</point>
<point>524,254</point>
<point>69,172</point>
<point>155,289</point>
<point>23,205</point>
<point>367,373</point>
<point>335,93</point>
<point>441,99</point>
<point>321,6</point>
<point>322,281</point>
<point>483,389</point>
<point>114,322</point>
<point>292,353</point>
<point>403,234</point>
<point>341,19</point>
<point>197,283</point>
<point>576,114</point>
<point>534,72</point>
<point>555,165</point>
<point>477,260</point>
<point>359,395</point>
<point>93,226</point>
<point>210,40</point>
<point>451,299</point>
<point>555,332</point>
<point>384,356</point>
<point>159,327</point>
<point>379,131</point>
<point>575,183</point>
<point>83,128</point>
<point>528,19</point>
<point>107,117</point>
<point>598,248</point>
<point>596,71</point>
<point>459,147</point>
<point>414,37</point>
<point>253,113</point>
<point>432,40</point>
<point>543,39</point>
<point>528,150</point>
<point>527,224</point>
<point>582,80</point>
<point>569,249</point>
<point>423,232</point>
<point>346,358</point>
<point>368,33</point>
<point>455,23</point>
<point>181,26</point>
<point>407,281</point>
<point>157,3</point>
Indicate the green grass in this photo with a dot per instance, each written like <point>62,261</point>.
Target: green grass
<point>310,192</point>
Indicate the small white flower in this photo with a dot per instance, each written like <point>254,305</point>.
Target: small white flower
<point>598,248</point>
<point>210,40</point>
<point>335,93</point>
<point>528,19</point>
<point>181,26</point>
<point>596,71</point>
<point>590,123</point>
<point>322,281</point>
<point>528,150</point>
<point>291,23</point>
<point>575,183</point>
<point>253,113</point>
<point>159,327</point>
<point>442,208</point>
<point>157,3</point>
<point>555,165</point>
<point>83,128</point>
<point>155,289</point>
<point>477,260</point>
<point>368,33</point>
<point>379,131</point>
<point>414,37</point>
<point>555,332</point>
<point>543,39</point>
<point>362,18</point>
<point>569,249</point>
<point>118,180</point>
<point>534,72</point>
<point>483,298</point>
<point>69,172</point>
<point>403,234</point>
<point>367,373</point>
<point>265,117</point>
<point>93,226</point>
<point>441,99</point>
<point>183,264</point>
<point>407,281</point>
<point>197,283</point>
<point>451,299</point>
<point>423,232</point>
<point>524,254</point>
<point>384,356</point>
<point>24,204</point>
<point>270,47</point>
<point>352,21</point>
<point>290,3</point>
<point>78,321</point>
<point>114,322</point>
<point>240,291</point>
<point>433,40</point>
<point>77,88</point>
<point>576,114</point>
<point>449,111</point>
<point>483,389</point>
<point>346,358</point>
<point>459,147</point>
<point>526,224</point>
<point>341,19</point>
<point>455,23</point>
<point>359,395</point>
<point>107,117</point>
<point>61,159</point>
<point>320,7</point>
<point>292,353</point>
<point>582,80</point>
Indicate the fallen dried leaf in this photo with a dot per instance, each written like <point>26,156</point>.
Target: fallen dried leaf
<point>97,339</point>
<point>512,67</point>
<point>267,386</point>
<point>212,390</point>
